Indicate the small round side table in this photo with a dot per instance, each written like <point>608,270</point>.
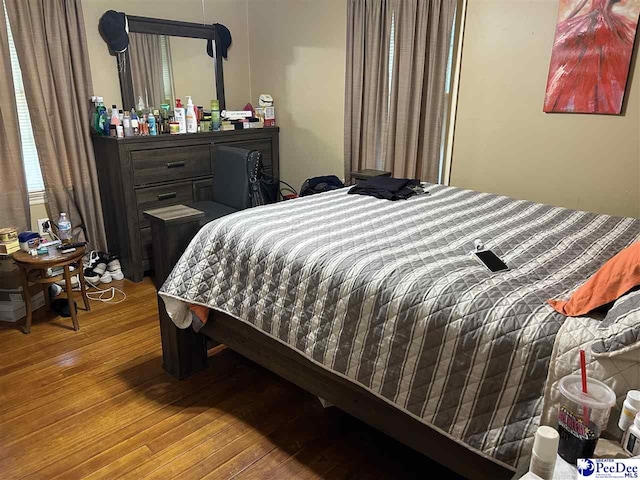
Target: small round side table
<point>34,269</point>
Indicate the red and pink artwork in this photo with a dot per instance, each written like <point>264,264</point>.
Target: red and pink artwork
<point>591,56</point>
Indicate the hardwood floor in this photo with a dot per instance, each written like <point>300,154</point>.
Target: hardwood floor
<point>97,404</point>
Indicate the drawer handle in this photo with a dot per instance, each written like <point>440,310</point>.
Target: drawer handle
<point>167,196</point>
<point>175,164</point>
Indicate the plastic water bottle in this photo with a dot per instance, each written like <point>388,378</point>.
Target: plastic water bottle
<point>64,228</point>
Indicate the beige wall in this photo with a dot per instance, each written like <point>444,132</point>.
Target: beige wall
<point>232,13</point>
<point>297,50</point>
<point>505,144</point>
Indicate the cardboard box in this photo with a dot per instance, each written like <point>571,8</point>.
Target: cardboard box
<point>15,294</point>
<point>14,311</point>
<point>267,116</point>
<point>10,280</point>
<point>7,264</point>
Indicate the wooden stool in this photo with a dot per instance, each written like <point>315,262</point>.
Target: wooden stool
<point>34,269</point>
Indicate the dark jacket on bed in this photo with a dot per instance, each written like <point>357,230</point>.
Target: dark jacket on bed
<point>386,188</point>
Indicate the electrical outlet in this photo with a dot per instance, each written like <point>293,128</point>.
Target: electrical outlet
<point>41,229</point>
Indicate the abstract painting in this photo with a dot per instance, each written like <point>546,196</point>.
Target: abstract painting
<point>591,56</point>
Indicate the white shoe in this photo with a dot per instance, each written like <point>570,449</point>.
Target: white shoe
<point>74,282</point>
<point>114,265</point>
<point>105,277</point>
<point>117,274</point>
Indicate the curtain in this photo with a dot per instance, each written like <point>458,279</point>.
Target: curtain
<point>14,196</point>
<point>145,54</point>
<point>397,124</point>
<point>367,83</point>
<point>418,105</point>
<point>51,44</point>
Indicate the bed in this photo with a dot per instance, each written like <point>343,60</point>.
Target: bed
<point>383,299</point>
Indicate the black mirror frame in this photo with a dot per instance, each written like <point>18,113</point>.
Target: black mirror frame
<point>173,28</point>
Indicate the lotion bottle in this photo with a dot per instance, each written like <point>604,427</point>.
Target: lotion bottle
<point>630,408</point>
<point>178,114</point>
<point>192,119</point>
<point>544,453</point>
<point>631,440</point>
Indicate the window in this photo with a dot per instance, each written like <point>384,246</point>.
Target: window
<point>35,184</point>
<point>167,74</point>
<point>447,92</point>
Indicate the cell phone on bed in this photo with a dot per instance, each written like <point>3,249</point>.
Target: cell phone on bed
<point>490,260</point>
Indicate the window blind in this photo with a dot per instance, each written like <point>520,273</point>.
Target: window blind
<point>167,79</point>
<point>29,151</point>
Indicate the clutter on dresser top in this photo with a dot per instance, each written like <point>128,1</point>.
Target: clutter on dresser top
<point>147,120</point>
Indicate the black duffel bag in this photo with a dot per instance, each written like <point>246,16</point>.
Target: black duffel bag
<point>314,185</point>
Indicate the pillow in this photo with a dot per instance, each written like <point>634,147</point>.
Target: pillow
<point>614,279</point>
<point>621,327</point>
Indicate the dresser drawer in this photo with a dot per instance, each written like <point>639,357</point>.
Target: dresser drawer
<point>156,197</point>
<point>173,163</point>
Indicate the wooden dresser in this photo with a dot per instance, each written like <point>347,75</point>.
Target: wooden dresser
<point>142,173</point>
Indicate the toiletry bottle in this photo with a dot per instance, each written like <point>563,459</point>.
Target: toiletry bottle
<point>630,408</point>
<point>64,228</point>
<point>544,453</point>
<point>151,120</point>
<point>94,114</point>
<point>631,439</point>
<point>135,124</point>
<point>192,119</point>
<point>215,115</point>
<point>179,116</point>
<point>126,123</point>
<point>120,116</point>
<point>115,121</point>
<point>102,126</point>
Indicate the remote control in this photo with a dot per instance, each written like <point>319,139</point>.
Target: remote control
<point>71,245</point>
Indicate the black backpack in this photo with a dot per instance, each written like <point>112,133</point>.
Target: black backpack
<point>314,185</point>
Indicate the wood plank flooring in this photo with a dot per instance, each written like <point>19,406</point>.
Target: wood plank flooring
<point>97,404</point>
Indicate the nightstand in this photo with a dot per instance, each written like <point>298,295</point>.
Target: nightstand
<point>363,175</point>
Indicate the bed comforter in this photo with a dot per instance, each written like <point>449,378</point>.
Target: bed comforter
<point>387,295</point>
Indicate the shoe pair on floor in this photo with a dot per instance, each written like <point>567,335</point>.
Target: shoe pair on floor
<point>103,268</point>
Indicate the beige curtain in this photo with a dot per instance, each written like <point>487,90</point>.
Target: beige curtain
<point>397,125</point>
<point>51,45</point>
<point>367,83</point>
<point>418,105</point>
<point>14,197</point>
<point>145,54</point>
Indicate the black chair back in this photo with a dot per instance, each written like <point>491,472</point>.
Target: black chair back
<point>231,177</point>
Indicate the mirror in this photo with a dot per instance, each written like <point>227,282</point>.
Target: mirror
<point>165,68</point>
<point>168,59</point>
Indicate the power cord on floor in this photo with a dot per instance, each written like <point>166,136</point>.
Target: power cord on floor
<point>99,294</point>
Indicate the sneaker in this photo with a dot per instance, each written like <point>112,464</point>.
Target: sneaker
<point>54,290</point>
<point>91,276</point>
<point>93,259</point>
<point>117,274</point>
<point>113,263</point>
<point>101,265</point>
<point>74,282</point>
<point>106,278</point>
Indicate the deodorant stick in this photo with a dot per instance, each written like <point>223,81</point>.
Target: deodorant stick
<point>545,450</point>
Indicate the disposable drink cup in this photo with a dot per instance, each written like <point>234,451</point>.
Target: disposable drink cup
<point>582,416</point>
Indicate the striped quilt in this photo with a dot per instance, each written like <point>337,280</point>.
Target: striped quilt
<point>387,295</point>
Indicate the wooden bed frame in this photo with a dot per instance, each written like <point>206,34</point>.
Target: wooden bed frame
<point>184,352</point>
